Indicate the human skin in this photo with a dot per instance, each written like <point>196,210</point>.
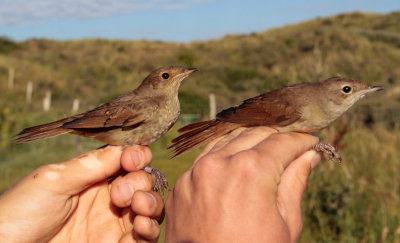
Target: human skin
<point>245,187</point>
<point>73,201</point>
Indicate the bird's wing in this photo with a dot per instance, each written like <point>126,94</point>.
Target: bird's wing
<point>116,114</point>
<point>262,110</point>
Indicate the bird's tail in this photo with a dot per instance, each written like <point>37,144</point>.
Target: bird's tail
<point>199,133</point>
<point>43,131</point>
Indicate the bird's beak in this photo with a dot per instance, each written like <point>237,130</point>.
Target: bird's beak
<point>372,89</point>
<point>187,72</point>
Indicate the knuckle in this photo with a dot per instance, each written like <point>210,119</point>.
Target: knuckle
<point>246,162</point>
<point>207,164</point>
<point>182,180</point>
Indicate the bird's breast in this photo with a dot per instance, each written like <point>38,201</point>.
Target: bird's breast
<point>157,124</point>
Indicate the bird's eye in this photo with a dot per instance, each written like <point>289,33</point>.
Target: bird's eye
<point>165,75</point>
<point>346,89</point>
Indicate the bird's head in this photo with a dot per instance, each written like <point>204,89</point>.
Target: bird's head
<point>167,78</point>
<point>341,93</point>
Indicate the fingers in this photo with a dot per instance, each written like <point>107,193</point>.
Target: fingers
<point>145,230</point>
<point>265,144</point>
<point>276,148</point>
<point>135,157</point>
<point>94,166</point>
<point>220,141</point>
<point>248,139</point>
<point>238,140</point>
<point>243,168</point>
<point>123,187</point>
<point>143,221</point>
<point>74,175</point>
<point>291,189</point>
<point>143,208</point>
<point>149,204</point>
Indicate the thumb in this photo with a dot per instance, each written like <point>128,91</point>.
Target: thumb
<point>291,189</point>
<point>89,168</point>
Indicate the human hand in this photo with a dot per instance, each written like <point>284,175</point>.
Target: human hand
<point>244,187</point>
<point>73,200</point>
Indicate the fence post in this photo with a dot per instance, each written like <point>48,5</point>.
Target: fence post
<point>10,78</point>
<point>213,105</point>
<point>47,101</point>
<point>29,90</point>
<point>75,105</point>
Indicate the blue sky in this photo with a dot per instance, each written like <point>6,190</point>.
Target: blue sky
<point>166,20</point>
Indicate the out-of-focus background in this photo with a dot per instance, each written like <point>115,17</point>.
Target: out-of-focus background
<point>58,58</point>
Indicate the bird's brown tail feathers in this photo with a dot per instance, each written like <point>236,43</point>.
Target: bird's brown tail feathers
<point>42,131</point>
<point>199,133</point>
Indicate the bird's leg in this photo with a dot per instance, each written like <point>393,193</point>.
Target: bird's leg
<point>160,181</point>
<point>329,150</point>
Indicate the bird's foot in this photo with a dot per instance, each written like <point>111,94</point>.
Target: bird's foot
<point>159,179</point>
<point>329,150</point>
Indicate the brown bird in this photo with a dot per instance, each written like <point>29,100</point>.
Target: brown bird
<point>139,117</point>
<point>305,107</point>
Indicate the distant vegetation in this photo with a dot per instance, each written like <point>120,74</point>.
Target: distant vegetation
<point>357,201</point>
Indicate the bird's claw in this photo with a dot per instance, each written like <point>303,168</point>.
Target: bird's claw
<point>329,150</point>
<point>159,179</point>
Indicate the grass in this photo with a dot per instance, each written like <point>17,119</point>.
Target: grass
<point>358,200</point>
